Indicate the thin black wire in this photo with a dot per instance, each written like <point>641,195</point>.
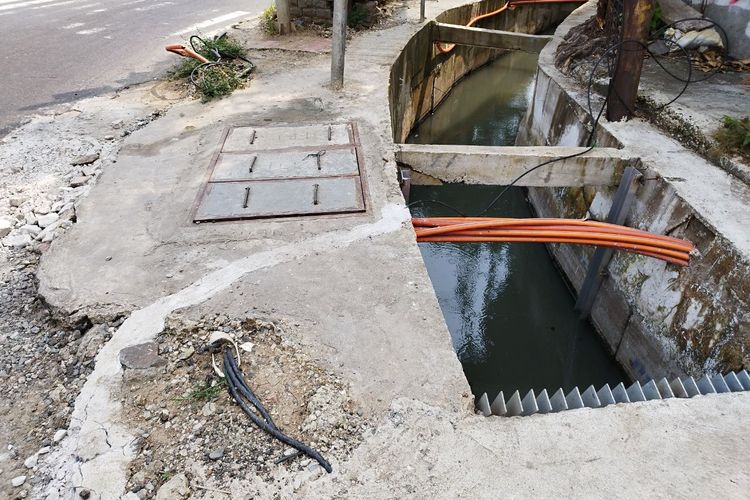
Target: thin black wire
<point>436,202</point>
<point>595,121</point>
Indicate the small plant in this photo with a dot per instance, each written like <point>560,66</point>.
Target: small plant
<point>217,81</point>
<point>268,20</point>
<point>204,391</point>
<point>657,19</point>
<point>734,136</point>
<point>358,16</point>
<point>165,476</point>
<point>183,70</point>
<point>214,80</point>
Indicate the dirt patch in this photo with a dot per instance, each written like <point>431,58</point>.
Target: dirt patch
<point>190,425</point>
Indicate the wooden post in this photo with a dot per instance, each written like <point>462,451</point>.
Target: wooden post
<point>339,43</point>
<point>623,87</point>
<point>283,17</point>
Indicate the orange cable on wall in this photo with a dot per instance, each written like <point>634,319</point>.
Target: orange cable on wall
<point>532,230</point>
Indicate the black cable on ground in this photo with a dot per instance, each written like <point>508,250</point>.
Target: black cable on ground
<point>245,390</point>
<point>234,382</point>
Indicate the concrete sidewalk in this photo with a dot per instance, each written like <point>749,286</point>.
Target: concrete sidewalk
<point>362,305</point>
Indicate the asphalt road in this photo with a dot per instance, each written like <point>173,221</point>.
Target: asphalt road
<point>55,51</point>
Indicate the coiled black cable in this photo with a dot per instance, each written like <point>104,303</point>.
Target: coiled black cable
<point>239,388</point>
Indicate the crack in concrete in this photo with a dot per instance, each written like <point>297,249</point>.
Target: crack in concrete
<point>105,471</point>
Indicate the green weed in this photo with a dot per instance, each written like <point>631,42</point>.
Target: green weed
<point>734,136</point>
<point>217,81</point>
<point>268,20</point>
<point>357,16</point>
<point>204,391</point>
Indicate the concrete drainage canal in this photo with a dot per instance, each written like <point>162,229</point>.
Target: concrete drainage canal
<point>507,307</point>
<point>510,310</point>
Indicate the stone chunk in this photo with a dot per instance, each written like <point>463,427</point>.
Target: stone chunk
<point>31,462</point>
<point>18,481</point>
<point>31,229</point>
<point>5,227</point>
<point>78,181</point>
<point>59,435</point>
<point>141,356</point>
<point>174,489</point>
<point>85,160</point>
<point>47,219</point>
<point>17,240</point>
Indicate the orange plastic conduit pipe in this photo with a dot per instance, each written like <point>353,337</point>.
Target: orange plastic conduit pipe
<point>445,49</point>
<point>582,232</point>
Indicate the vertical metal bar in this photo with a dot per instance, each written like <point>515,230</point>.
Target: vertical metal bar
<point>421,10</point>
<point>252,137</point>
<point>252,163</point>
<point>247,197</point>
<point>404,181</point>
<point>316,187</point>
<point>617,214</point>
<point>339,43</point>
<point>623,87</point>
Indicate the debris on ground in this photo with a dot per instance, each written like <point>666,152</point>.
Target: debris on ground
<point>221,69</point>
<point>189,424</point>
<point>47,166</point>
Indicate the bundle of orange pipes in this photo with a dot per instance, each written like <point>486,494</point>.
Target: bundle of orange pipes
<point>582,232</point>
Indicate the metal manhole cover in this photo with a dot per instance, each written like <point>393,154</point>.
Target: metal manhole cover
<point>283,171</point>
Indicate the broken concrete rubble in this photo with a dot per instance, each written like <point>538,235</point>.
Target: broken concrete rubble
<point>141,356</point>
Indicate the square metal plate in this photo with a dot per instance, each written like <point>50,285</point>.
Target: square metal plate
<point>283,171</point>
<point>256,138</point>
<point>239,200</point>
<point>285,165</point>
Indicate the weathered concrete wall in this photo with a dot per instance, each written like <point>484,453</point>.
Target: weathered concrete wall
<point>422,77</point>
<point>321,11</point>
<point>312,11</point>
<point>657,319</point>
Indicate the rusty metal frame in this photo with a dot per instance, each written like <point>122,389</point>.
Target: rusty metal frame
<point>354,143</point>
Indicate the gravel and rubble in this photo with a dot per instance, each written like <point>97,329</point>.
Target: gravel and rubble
<point>43,362</point>
<point>194,436</point>
<point>46,167</point>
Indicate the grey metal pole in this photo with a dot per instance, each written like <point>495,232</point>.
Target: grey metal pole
<point>421,10</point>
<point>339,43</point>
<point>283,17</point>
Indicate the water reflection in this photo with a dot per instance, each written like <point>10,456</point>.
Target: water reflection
<point>468,116</point>
<point>509,312</point>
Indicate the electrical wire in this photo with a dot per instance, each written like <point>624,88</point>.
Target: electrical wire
<point>239,388</point>
<point>595,120</point>
<point>546,230</point>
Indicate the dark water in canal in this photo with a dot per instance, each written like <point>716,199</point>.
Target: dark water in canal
<point>509,312</point>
